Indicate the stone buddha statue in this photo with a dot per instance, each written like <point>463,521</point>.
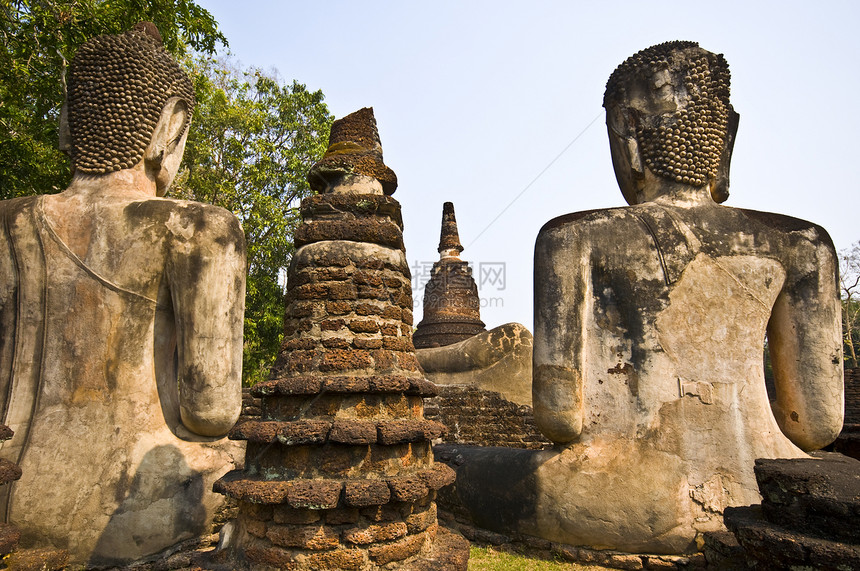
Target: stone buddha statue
<point>650,322</point>
<point>121,313</point>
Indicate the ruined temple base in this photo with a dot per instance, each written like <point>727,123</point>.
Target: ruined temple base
<point>449,552</point>
<point>544,549</point>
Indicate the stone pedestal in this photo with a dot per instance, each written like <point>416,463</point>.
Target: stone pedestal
<point>339,472</point>
<point>808,515</point>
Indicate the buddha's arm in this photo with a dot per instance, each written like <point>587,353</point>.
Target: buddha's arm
<point>207,284</point>
<point>560,301</point>
<point>805,340</point>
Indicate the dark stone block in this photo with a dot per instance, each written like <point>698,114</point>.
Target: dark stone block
<point>380,231</point>
<point>776,547</point>
<point>408,488</point>
<point>388,383</point>
<point>353,432</point>
<point>439,476</point>
<point>314,536</point>
<point>398,550</point>
<point>314,494</point>
<point>396,431</point>
<point>816,496</point>
<point>363,493</point>
<point>346,384</point>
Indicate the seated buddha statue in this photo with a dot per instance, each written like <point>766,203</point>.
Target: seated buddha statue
<point>650,323</point>
<point>122,313</point>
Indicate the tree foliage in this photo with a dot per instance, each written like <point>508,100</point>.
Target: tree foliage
<point>39,37</point>
<point>849,282</point>
<point>251,143</point>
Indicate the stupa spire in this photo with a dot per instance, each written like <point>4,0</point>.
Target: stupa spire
<point>449,240</point>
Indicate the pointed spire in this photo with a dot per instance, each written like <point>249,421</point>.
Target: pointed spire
<point>452,308</point>
<point>449,240</point>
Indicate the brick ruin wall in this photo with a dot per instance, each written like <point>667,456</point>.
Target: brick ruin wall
<point>485,418</point>
<point>472,416</point>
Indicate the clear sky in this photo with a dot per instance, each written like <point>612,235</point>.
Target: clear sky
<point>496,106</point>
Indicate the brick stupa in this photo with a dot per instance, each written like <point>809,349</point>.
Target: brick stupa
<point>452,308</point>
<point>339,472</point>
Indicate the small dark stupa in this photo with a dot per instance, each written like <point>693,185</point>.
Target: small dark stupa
<point>339,471</point>
<point>452,308</point>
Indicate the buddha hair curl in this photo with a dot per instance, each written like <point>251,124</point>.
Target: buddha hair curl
<point>117,88</point>
<point>685,145</point>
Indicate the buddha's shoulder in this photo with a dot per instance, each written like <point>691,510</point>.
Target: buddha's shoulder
<point>601,219</point>
<point>175,213</point>
<point>794,229</point>
<point>17,205</point>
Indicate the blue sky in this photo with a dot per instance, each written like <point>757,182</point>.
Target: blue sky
<point>496,106</point>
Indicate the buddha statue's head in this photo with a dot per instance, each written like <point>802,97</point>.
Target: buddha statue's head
<point>669,117</point>
<point>120,88</point>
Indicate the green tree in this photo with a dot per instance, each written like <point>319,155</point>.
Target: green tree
<point>251,143</point>
<point>39,37</point>
<point>849,283</point>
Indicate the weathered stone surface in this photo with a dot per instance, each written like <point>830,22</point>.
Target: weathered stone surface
<point>284,514</point>
<point>450,552</point>
<point>649,330</point>
<point>366,534</point>
<point>778,547</point>
<point>407,488</point>
<point>314,494</point>
<point>354,151</point>
<point>294,432</point>
<point>722,550</point>
<point>398,550</point>
<point>127,370</point>
<point>364,493</point>
<point>316,537</point>
<point>353,432</point>
<point>817,496</point>
<point>396,431</point>
<point>498,360</point>
<point>421,520</point>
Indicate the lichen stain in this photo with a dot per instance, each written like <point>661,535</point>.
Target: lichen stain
<point>630,373</point>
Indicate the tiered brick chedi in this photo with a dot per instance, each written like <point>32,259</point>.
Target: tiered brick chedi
<point>339,470</point>
<point>452,309</point>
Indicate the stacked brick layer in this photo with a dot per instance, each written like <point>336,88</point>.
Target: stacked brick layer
<point>479,417</point>
<point>339,470</point>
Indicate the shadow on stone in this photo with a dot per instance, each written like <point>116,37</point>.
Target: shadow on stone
<point>155,510</point>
